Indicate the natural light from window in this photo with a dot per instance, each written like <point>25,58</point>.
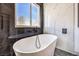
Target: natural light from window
<point>27,15</point>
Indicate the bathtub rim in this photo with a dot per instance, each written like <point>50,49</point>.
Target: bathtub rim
<point>38,50</point>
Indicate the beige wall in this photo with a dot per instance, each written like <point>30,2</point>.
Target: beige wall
<point>76,30</point>
<point>58,16</point>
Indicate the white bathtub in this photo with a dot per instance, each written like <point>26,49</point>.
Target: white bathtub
<point>27,47</point>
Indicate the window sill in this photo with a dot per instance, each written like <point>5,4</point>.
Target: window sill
<point>20,36</point>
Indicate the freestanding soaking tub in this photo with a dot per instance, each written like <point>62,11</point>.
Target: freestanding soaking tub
<point>27,46</point>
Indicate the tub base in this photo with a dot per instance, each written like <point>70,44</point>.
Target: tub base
<point>49,51</point>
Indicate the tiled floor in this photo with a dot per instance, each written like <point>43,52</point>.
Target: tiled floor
<point>59,52</point>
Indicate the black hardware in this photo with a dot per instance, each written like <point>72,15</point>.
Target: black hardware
<point>64,30</point>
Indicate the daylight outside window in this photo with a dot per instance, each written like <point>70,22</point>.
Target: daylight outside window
<point>27,15</point>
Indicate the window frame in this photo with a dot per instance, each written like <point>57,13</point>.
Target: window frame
<point>30,26</point>
<point>38,7</point>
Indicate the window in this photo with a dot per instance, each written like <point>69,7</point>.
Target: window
<point>35,15</point>
<point>27,15</point>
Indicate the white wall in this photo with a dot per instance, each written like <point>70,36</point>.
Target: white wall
<point>58,16</point>
<point>76,29</point>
